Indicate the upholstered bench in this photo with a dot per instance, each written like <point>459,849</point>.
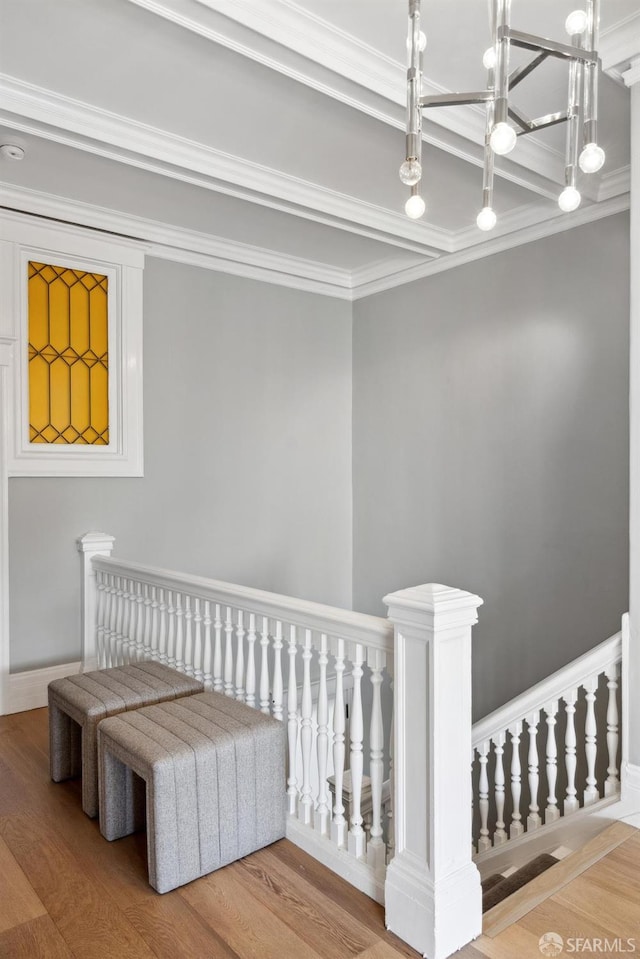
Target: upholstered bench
<point>77,704</point>
<point>210,772</point>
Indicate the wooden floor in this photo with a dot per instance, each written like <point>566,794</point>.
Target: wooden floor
<point>65,892</point>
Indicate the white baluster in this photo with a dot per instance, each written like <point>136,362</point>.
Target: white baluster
<point>264,667</point>
<point>218,685</point>
<point>357,839</point>
<point>188,636</point>
<point>155,633</point>
<point>376,852</point>
<point>207,656</point>
<point>100,611</point>
<point>147,644</point>
<point>277,673</point>
<point>179,631</point>
<point>138,645</point>
<point>171,629</point>
<point>533,819</point>
<point>292,724</point>
<point>391,839</point>
<point>305,804</point>
<point>516,828</point>
<point>322,814</point>
<point>484,841</point>
<point>117,620</point>
<point>251,661</point>
<point>162,626</point>
<point>339,823</point>
<point>126,616</point>
<point>612,784</point>
<point>551,812</point>
<point>571,803</point>
<point>240,634</point>
<point>591,793</point>
<point>228,653</point>
<point>197,671</point>
<point>500,834</point>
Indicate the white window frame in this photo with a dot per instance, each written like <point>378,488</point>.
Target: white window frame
<point>122,262</point>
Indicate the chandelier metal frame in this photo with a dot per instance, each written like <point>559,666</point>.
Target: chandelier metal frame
<point>500,135</point>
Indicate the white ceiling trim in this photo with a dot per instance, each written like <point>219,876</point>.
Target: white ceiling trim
<point>216,253</point>
<point>363,287</point>
<point>314,42</point>
<point>615,183</point>
<point>92,126</point>
<point>619,45</point>
<point>186,246</point>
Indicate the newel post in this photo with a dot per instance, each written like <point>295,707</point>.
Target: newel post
<point>433,898</point>
<point>90,545</point>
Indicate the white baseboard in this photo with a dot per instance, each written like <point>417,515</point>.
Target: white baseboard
<point>28,690</point>
<point>337,860</point>
<point>631,793</point>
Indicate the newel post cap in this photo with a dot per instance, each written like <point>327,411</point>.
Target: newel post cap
<point>433,605</point>
<point>95,542</point>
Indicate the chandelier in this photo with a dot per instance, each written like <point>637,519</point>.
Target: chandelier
<point>580,115</point>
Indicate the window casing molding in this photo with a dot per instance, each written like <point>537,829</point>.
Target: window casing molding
<point>122,262</point>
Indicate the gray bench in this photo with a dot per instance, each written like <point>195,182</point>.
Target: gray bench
<point>208,771</point>
<point>77,704</point>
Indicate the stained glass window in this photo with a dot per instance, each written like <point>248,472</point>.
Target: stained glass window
<point>68,355</point>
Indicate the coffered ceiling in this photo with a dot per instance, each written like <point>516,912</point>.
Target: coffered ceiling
<point>263,137</point>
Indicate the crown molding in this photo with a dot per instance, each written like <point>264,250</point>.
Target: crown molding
<point>251,262</point>
<point>304,47</point>
<point>615,183</point>
<point>90,128</point>
<point>184,246</point>
<point>559,223</point>
<point>619,45</point>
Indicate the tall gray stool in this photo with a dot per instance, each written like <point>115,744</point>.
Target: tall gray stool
<point>211,773</point>
<point>77,704</point>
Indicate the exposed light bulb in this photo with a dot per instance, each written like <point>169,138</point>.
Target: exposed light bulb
<point>486,219</point>
<point>592,158</point>
<point>415,206</point>
<point>569,199</point>
<point>576,23</point>
<point>410,172</point>
<point>422,42</point>
<point>489,58</point>
<point>503,138</point>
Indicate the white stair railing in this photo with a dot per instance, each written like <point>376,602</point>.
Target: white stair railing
<point>316,668</point>
<point>565,732</point>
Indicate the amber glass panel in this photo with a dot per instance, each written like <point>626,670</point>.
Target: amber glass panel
<point>68,356</point>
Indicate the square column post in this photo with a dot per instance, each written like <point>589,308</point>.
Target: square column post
<point>90,545</point>
<point>433,898</point>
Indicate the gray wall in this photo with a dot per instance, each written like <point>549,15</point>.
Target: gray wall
<point>490,430</point>
<point>247,458</point>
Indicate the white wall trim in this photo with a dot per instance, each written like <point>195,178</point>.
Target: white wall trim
<point>6,360</point>
<point>619,44</point>
<point>538,231</point>
<point>92,126</point>
<point>28,689</point>
<point>216,253</point>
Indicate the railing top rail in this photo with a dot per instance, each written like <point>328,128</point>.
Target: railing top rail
<point>564,680</point>
<point>371,631</point>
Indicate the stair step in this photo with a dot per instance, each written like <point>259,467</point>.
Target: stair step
<point>506,886</point>
<point>491,881</point>
<point>552,880</point>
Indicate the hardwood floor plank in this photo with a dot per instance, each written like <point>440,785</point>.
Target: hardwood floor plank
<point>588,897</point>
<point>82,909</point>
<point>322,922</point>
<point>499,918</point>
<point>514,943</point>
<point>18,902</point>
<point>552,916</point>
<point>170,926</point>
<point>251,929</point>
<point>37,939</point>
